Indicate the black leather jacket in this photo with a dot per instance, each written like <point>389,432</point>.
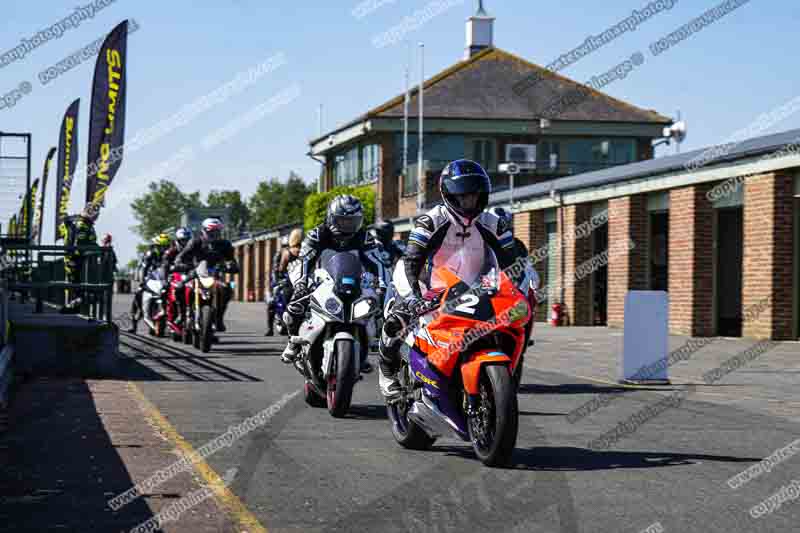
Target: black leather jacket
<point>215,253</point>
<point>321,238</point>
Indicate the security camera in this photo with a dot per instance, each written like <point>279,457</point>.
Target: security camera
<point>508,168</point>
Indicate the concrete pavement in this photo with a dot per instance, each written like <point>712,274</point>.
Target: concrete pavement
<point>304,471</point>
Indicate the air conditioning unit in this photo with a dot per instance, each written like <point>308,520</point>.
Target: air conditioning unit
<point>524,155</point>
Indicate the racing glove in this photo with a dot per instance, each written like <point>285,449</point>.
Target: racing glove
<point>301,290</point>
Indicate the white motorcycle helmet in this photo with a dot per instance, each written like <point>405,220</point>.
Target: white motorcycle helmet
<point>212,229</point>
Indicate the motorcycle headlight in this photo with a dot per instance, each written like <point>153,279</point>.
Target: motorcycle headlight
<point>518,312</point>
<point>363,308</point>
<point>333,306</point>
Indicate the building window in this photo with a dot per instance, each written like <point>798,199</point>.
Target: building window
<point>484,152</point>
<point>586,155</point>
<point>371,163</point>
<point>358,166</point>
<point>410,182</point>
<point>438,150</point>
<point>345,168</point>
<point>548,156</point>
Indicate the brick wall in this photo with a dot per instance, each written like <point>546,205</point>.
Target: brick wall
<point>577,287</point>
<point>407,206</point>
<point>691,261</point>
<point>768,255</point>
<point>627,268</point>
<point>247,271</point>
<point>261,279</point>
<point>271,248</point>
<point>239,280</point>
<point>529,228</point>
<point>388,188</point>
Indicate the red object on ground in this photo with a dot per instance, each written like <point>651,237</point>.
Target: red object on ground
<point>556,315</point>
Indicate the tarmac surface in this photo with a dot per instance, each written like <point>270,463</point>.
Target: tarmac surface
<point>666,469</point>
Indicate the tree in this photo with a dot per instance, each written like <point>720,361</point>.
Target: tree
<point>240,214</point>
<point>316,205</point>
<point>275,203</point>
<point>161,208</point>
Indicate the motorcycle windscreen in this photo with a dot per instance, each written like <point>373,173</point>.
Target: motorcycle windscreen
<point>468,266</point>
<point>202,269</point>
<point>342,267</point>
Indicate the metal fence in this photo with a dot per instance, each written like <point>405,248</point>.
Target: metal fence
<point>15,178</point>
<point>39,272</point>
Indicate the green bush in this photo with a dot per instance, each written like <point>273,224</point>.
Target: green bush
<point>317,204</point>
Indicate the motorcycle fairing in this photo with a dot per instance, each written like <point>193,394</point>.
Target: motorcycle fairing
<point>435,388</point>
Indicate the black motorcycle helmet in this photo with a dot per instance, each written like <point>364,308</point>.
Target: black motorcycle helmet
<point>345,216</point>
<point>465,189</point>
<point>384,230</point>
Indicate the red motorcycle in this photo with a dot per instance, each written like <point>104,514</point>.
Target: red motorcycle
<point>179,303</point>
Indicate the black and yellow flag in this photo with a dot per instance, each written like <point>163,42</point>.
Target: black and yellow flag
<point>24,215</point>
<point>107,115</point>
<point>67,159</point>
<point>39,208</point>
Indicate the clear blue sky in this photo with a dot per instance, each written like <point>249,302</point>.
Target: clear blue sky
<point>721,78</point>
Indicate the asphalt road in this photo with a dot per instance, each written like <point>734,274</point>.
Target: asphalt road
<point>305,471</point>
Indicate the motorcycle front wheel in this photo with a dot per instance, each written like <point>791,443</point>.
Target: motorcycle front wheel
<point>195,332</point>
<point>493,431</point>
<point>340,384</point>
<point>161,326</point>
<point>206,331</point>
<point>407,433</point>
<point>187,331</point>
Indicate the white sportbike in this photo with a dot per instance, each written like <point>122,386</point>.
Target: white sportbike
<point>334,337</point>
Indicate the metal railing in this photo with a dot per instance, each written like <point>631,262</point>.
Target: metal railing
<point>39,272</point>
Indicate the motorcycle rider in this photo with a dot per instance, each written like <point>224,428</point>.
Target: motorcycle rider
<point>279,282</point>
<point>342,231</point>
<point>150,262</point>
<point>107,242</point>
<point>209,246</point>
<point>384,233</point>
<point>182,238</point>
<point>77,230</point>
<point>440,237</point>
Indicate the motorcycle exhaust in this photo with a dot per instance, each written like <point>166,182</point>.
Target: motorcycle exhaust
<point>429,418</point>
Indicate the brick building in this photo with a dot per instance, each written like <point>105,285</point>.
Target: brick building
<point>254,254</point>
<point>486,109</point>
<point>722,238</point>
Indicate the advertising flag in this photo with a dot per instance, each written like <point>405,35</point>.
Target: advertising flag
<point>107,115</point>
<point>37,219</point>
<point>67,159</point>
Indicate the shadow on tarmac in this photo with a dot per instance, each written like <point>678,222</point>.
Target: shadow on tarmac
<point>368,412</point>
<point>584,388</point>
<point>59,465</point>
<point>179,363</point>
<point>572,459</point>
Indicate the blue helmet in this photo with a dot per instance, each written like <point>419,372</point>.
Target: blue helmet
<point>460,180</point>
<point>183,235</point>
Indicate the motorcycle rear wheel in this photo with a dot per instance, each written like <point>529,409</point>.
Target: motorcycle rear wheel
<point>407,433</point>
<point>494,431</point>
<point>340,387</point>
